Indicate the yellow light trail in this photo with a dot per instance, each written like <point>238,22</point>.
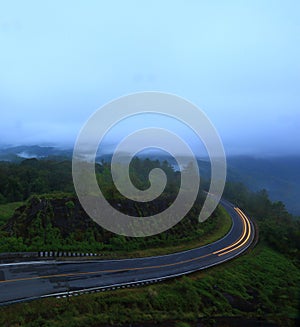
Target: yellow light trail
<point>238,241</point>
<point>247,224</point>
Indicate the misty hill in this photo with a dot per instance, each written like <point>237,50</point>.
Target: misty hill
<point>280,176</point>
<point>19,153</point>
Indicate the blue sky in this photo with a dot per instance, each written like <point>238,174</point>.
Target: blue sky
<point>236,60</point>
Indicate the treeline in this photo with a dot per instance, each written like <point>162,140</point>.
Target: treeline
<point>277,227</point>
<point>139,170</point>
<point>19,181</point>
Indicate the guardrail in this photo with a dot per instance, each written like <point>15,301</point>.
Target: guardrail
<point>46,254</point>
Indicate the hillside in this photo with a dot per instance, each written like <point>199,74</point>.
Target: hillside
<point>21,152</point>
<point>57,222</point>
<point>280,176</point>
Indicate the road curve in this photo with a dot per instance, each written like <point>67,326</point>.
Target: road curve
<point>31,280</point>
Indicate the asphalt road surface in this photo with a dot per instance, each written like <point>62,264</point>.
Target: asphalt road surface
<point>31,280</point>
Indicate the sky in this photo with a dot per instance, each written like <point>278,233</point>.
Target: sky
<point>236,60</point>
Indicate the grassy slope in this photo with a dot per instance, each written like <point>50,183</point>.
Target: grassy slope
<point>7,210</point>
<point>261,284</point>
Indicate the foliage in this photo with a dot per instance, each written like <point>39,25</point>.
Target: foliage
<point>32,176</point>
<point>277,227</point>
<point>58,223</point>
<point>7,210</point>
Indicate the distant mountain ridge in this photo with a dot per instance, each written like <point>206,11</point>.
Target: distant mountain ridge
<point>280,176</point>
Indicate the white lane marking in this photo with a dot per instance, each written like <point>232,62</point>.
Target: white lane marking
<point>27,263</point>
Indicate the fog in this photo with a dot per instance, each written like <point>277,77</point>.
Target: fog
<point>237,61</point>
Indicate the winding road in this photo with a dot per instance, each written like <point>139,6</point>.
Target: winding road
<point>37,279</point>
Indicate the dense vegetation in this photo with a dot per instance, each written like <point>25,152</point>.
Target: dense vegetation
<point>19,181</point>
<point>277,227</point>
<point>57,222</point>
<point>261,286</point>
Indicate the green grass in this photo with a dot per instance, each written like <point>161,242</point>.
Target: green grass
<point>7,210</point>
<point>262,284</point>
